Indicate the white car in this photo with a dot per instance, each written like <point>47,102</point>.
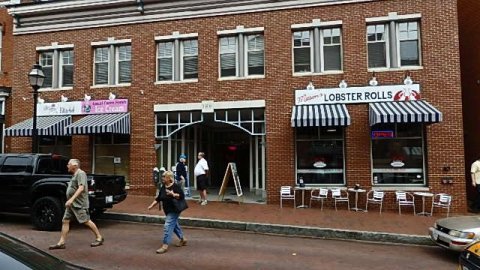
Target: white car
<point>455,233</point>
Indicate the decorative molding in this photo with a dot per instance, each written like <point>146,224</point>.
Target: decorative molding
<point>240,29</point>
<point>317,23</point>
<point>110,41</point>
<point>393,16</point>
<point>55,46</point>
<point>176,35</point>
<point>239,104</point>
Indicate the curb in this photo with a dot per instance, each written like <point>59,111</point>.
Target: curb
<point>289,230</point>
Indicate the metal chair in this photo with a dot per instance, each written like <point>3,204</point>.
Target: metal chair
<point>338,197</point>
<point>318,194</point>
<point>405,199</point>
<point>442,200</point>
<point>286,194</point>
<point>375,197</point>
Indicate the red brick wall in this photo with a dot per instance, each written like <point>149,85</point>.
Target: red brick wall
<point>439,79</point>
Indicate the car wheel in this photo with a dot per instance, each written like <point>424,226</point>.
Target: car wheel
<point>47,213</point>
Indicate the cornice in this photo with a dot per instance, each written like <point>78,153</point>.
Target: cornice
<point>82,14</point>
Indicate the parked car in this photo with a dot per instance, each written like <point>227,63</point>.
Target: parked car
<point>470,258</point>
<point>15,254</point>
<point>37,183</point>
<point>455,233</point>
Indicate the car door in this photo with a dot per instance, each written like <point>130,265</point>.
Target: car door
<point>15,174</point>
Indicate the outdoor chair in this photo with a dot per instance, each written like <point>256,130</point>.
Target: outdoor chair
<point>287,193</point>
<point>318,194</point>
<point>375,197</point>
<point>338,197</point>
<point>405,199</point>
<point>442,200</point>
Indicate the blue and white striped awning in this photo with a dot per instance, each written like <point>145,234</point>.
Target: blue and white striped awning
<point>118,123</point>
<point>418,111</point>
<point>46,126</point>
<point>322,115</point>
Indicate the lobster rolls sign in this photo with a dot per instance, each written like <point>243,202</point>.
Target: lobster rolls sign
<point>358,94</point>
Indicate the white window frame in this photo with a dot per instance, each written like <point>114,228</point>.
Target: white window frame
<point>310,33</point>
<point>182,61</point>
<point>322,47</point>
<point>112,46</point>
<point>419,45</point>
<point>117,63</point>
<point>158,58</point>
<point>61,67</point>
<point>386,34</point>
<point>241,69</point>
<point>56,50</point>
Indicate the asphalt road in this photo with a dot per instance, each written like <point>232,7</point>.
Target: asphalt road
<point>133,245</point>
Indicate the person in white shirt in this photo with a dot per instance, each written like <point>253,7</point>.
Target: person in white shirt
<point>475,173</point>
<point>200,172</point>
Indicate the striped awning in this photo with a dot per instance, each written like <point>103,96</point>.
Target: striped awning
<point>118,123</point>
<point>418,111</point>
<point>322,115</point>
<point>46,126</point>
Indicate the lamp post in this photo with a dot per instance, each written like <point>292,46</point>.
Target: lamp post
<point>36,78</point>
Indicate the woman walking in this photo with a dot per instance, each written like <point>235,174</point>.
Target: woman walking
<point>173,201</point>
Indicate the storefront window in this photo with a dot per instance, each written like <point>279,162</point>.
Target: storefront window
<point>398,154</point>
<point>61,145</point>
<point>320,155</point>
<point>112,154</point>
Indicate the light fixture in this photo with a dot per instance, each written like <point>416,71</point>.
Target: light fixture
<point>310,86</point>
<point>373,81</point>
<point>87,98</point>
<point>140,6</point>
<point>343,84</point>
<point>63,98</point>
<point>40,100</point>
<point>36,77</point>
<point>408,79</point>
<point>111,96</point>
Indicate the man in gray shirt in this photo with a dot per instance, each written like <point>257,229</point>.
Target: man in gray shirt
<point>77,205</point>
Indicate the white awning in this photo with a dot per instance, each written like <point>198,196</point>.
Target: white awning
<point>46,126</point>
<point>118,123</point>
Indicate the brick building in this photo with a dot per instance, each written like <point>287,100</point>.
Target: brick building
<point>333,92</point>
<point>6,63</point>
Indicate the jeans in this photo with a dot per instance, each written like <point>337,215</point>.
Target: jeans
<point>476,204</point>
<point>171,225</point>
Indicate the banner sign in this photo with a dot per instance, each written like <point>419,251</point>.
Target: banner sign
<point>366,94</point>
<point>83,107</point>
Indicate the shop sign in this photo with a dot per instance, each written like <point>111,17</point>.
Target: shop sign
<point>382,134</point>
<point>365,94</point>
<point>83,107</point>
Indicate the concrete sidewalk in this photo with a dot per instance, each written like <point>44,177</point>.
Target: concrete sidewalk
<point>311,222</point>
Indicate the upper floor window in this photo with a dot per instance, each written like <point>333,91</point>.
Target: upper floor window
<point>177,57</point>
<point>57,64</point>
<point>112,62</point>
<point>242,52</point>
<point>317,47</point>
<point>1,46</point>
<point>394,43</point>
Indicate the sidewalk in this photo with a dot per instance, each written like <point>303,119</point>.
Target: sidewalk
<point>310,222</point>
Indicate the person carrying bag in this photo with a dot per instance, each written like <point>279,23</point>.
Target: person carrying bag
<point>173,201</point>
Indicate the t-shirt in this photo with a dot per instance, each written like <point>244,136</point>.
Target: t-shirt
<point>476,171</point>
<point>167,201</point>
<point>201,167</point>
<point>180,170</point>
<point>79,178</point>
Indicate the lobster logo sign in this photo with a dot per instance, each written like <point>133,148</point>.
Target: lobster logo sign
<point>406,94</point>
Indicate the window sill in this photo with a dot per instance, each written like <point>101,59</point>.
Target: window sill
<point>317,74</point>
<point>395,69</point>
<point>242,78</point>
<point>175,82</point>
<point>395,188</point>
<point>55,89</point>
<point>110,85</point>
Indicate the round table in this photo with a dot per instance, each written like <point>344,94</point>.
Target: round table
<point>424,195</point>
<point>356,191</point>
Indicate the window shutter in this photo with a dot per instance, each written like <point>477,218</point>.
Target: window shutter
<point>332,58</point>
<point>302,59</point>
<point>377,55</point>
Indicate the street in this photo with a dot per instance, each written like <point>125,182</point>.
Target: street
<point>133,245</point>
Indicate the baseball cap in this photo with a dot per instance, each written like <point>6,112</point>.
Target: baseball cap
<point>183,156</point>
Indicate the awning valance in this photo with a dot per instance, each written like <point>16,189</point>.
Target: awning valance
<point>321,115</point>
<point>118,123</point>
<point>418,111</point>
<point>46,126</point>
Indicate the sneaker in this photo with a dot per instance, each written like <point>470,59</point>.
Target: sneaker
<point>182,242</point>
<point>204,202</point>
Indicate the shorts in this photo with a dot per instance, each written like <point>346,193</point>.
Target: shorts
<point>202,181</point>
<point>81,214</point>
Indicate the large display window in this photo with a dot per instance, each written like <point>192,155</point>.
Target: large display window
<point>398,154</point>
<point>112,155</point>
<point>61,145</point>
<point>320,155</point>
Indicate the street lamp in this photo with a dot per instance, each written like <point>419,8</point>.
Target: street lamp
<point>36,78</point>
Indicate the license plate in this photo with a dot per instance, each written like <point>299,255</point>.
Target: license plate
<point>434,235</point>
<point>109,199</point>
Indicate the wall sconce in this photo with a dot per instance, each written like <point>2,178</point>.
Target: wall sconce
<point>111,96</point>
<point>87,98</point>
<point>40,100</point>
<point>63,98</point>
<point>343,84</point>
<point>408,79</point>
<point>373,81</point>
<point>310,86</point>
<point>140,6</point>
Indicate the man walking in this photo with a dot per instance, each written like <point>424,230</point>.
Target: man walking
<point>475,173</point>
<point>200,172</point>
<point>77,205</point>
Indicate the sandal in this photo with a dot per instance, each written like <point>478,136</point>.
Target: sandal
<point>57,246</point>
<point>97,242</point>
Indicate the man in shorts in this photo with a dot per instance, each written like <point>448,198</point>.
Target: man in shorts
<point>200,172</point>
<point>77,205</point>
